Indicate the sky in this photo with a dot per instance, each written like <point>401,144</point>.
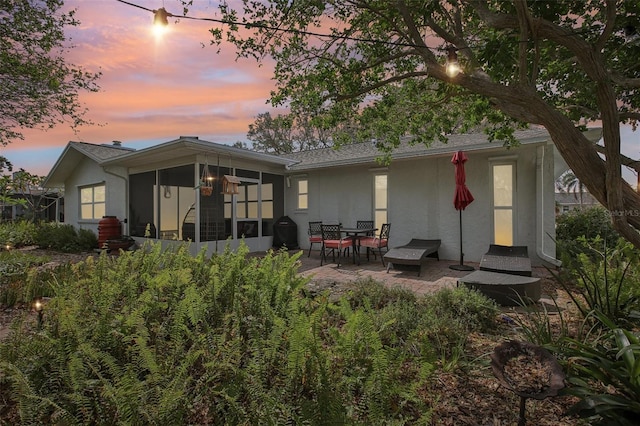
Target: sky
<point>153,89</point>
<point>156,89</point>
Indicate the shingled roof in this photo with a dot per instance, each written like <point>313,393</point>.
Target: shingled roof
<point>367,152</point>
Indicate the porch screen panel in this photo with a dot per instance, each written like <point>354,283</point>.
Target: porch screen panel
<point>213,219</point>
<point>141,203</point>
<point>176,197</point>
<point>503,205</point>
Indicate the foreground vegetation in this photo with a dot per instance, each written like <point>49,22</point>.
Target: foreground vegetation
<point>163,337</point>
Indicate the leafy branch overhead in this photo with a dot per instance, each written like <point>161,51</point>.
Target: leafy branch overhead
<point>380,66</point>
<point>39,87</point>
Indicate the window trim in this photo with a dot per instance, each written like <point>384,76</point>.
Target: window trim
<point>513,208</point>
<point>93,202</point>
<point>299,193</point>
<point>374,199</point>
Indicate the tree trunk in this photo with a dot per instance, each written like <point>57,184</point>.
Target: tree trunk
<point>602,178</point>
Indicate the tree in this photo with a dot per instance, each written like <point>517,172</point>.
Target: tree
<point>39,89</point>
<point>291,133</point>
<point>559,64</point>
<point>568,182</point>
<point>25,189</point>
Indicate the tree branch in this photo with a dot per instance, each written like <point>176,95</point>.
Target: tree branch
<point>381,83</point>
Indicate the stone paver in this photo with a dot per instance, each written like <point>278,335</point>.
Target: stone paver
<point>436,274</point>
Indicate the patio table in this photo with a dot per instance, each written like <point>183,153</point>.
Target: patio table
<point>356,234</point>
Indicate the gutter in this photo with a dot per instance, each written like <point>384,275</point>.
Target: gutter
<point>126,197</point>
<point>542,152</point>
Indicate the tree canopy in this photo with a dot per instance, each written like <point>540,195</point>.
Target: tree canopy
<point>562,64</point>
<point>39,88</point>
<point>287,133</point>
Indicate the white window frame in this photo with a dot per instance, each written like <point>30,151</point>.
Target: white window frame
<point>93,203</point>
<point>377,210</point>
<point>301,194</point>
<point>512,208</point>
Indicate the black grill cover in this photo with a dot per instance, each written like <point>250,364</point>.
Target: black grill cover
<point>285,234</point>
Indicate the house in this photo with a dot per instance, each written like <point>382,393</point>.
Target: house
<point>159,192</point>
<point>568,201</point>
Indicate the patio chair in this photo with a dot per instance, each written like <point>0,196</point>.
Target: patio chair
<point>413,254</point>
<point>332,240</point>
<point>382,240</point>
<point>512,260</point>
<point>315,234</point>
<point>365,224</point>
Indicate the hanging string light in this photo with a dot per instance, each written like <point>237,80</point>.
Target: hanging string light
<point>160,20</point>
<point>161,17</point>
<point>452,66</point>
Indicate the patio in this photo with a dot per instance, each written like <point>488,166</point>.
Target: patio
<point>436,274</point>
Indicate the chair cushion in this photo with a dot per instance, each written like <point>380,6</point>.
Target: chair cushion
<point>314,239</point>
<point>338,243</point>
<point>373,242</point>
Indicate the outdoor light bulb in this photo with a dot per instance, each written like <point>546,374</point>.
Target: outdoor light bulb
<point>160,17</point>
<point>452,67</point>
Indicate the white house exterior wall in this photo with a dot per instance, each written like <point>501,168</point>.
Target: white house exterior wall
<point>87,172</point>
<point>420,201</point>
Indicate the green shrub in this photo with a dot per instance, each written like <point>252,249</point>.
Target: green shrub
<point>65,238</point>
<point>578,228</point>
<point>607,279</point>
<point>18,234</point>
<point>604,372</point>
<point>16,268</point>
<point>450,315</point>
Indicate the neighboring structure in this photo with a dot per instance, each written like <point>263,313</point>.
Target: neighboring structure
<point>568,201</point>
<point>156,192</point>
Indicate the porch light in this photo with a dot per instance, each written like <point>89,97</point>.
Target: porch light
<point>452,67</point>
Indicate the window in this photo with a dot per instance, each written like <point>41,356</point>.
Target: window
<point>92,201</point>
<point>303,194</point>
<point>503,203</point>
<point>380,200</point>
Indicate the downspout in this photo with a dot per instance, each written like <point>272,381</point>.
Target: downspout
<point>541,234</point>
<point>126,198</point>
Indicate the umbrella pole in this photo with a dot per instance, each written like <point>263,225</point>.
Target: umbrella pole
<point>461,266</point>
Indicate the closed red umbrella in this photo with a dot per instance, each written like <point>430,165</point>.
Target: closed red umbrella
<point>461,199</point>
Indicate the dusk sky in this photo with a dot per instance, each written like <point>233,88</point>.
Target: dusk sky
<point>154,89</point>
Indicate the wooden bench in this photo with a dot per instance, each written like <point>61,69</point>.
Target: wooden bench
<point>505,289</point>
<point>412,254</point>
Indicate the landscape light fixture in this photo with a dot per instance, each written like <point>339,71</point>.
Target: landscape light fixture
<point>38,306</point>
<point>452,66</point>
